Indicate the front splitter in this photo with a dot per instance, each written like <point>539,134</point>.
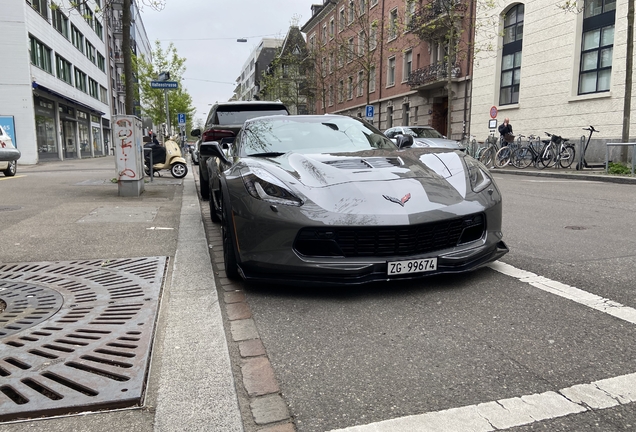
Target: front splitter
<point>76,335</point>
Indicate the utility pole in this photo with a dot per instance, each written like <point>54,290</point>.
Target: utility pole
<point>127,52</point>
<point>629,67</point>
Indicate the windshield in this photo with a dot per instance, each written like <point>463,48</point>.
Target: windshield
<point>314,134</point>
<point>238,114</point>
<point>420,132</point>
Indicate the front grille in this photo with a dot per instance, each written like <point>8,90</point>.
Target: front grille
<point>389,241</point>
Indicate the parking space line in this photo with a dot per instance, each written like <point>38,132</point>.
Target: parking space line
<point>585,298</point>
<point>523,410</point>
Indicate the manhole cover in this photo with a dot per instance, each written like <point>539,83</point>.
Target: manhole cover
<point>76,335</point>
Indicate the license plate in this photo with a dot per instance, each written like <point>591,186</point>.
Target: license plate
<point>411,266</point>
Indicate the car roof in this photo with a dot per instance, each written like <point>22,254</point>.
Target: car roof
<point>252,102</point>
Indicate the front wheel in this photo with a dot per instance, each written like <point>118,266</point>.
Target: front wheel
<point>521,158</point>
<point>179,170</point>
<point>11,169</point>
<point>203,184</point>
<point>487,157</point>
<point>502,158</point>
<point>229,236</point>
<point>567,156</point>
<point>548,156</point>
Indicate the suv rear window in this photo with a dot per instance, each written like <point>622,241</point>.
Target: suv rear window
<point>237,114</point>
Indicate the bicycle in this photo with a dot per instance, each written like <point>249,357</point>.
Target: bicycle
<point>531,154</point>
<point>502,157</point>
<point>514,155</point>
<point>558,150</point>
<point>486,155</point>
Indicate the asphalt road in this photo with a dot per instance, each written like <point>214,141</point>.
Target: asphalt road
<point>361,356</point>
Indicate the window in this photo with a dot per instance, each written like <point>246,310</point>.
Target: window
<point>323,67</point>
<point>352,11</point>
<point>312,42</point>
<point>63,68</point>
<point>406,115</point>
<point>373,37</point>
<point>93,88</point>
<point>393,24</point>
<point>60,21</point>
<point>340,55</point>
<point>341,20</point>
<point>101,62</point>
<point>340,91</point>
<point>350,50</point>
<point>90,52</point>
<point>389,117</point>
<point>41,7</point>
<point>409,12</point>
<point>372,79</point>
<point>88,15</point>
<point>332,28</point>
<point>77,38</point>
<point>408,65</point>
<point>360,85</point>
<point>374,2</point>
<point>103,94</point>
<point>390,73</point>
<point>597,46</point>
<point>330,96</point>
<point>324,34</point>
<point>99,29</point>
<point>80,80</point>
<point>330,62</point>
<point>361,43</point>
<point>511,56</point>
<point>350,88</point>
<point>363,6</point>
<point>40,54</point>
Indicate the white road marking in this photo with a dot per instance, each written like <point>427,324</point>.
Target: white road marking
<point>560,181</point>
<point>523,410</point>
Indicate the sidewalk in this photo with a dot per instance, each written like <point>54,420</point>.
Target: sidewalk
<point>569,173</point>
<point>68,211</point>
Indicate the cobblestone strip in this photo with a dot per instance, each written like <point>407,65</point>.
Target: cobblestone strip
<point>269,410</point>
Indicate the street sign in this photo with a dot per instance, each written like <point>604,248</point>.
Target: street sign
<point>493,112</point>
<point>369,111</point>
<point>181,118</point>
<point>164,84</point>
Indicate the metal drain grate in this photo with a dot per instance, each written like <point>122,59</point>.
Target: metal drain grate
<point>76,335</point>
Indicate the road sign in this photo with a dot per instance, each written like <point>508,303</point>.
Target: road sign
<point>164,84</point>
<point>369,111</point>
<point>181,118</point>
<point>493,112</point>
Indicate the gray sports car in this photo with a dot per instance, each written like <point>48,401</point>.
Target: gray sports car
<point>330,200</point>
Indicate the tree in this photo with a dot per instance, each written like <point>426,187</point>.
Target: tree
<point>153,100</point>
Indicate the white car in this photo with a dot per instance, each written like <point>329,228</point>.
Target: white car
<point>423,136</point>
<point>9,155</point>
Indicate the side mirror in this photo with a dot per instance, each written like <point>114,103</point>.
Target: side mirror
<point>404,141</point>
<point>212,149</point>
<point>196,132</point>
<point>226,142</point>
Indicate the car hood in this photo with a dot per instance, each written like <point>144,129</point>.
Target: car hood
<point>435,142</point>
<point>360,182</point>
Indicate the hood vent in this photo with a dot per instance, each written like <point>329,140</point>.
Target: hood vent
<point>365,163</point>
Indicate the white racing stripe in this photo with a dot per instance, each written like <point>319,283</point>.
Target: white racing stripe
<point>523,410</point>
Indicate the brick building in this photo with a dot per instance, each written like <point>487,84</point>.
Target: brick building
<point>392,54</point>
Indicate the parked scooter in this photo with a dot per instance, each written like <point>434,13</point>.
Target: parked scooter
<point>174,161</point>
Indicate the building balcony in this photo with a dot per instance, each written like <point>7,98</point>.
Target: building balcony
<point>433,76</point>
<point>435,18</point>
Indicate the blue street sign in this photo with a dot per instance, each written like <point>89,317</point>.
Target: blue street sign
<point>164,84</point>
<point>181,118</point>
<point>369,111</point>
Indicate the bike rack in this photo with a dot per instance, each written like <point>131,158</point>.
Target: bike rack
<point>152,174</point>
<point>608,145</point>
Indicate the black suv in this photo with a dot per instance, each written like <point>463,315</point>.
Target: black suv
<point>224,121</point>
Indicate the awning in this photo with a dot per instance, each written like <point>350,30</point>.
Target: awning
<point>37,86</point>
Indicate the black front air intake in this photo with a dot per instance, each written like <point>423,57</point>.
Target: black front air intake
<point>389,241</point>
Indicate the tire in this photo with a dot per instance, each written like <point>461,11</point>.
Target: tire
<point>179,170</point>
<point>567,156</point>
<point>203,185</point>
<point>487,157</point>
<point>216,208</point>
<point>547,156</point>
<point>12,169</point>
<point>502,158</point>
<point>229,237</point>
<point>522,158</point>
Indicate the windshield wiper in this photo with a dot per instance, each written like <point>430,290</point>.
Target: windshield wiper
<point>267,154</point>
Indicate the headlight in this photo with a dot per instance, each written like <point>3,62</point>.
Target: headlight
<point>262,185</point>
<point>477,174</point>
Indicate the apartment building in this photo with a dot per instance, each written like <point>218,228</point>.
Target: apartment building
<point>58,77</point>
<point>256,64</point>
<point>392,54</point>
<point>554,69</point>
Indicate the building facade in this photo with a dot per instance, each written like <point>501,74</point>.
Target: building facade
<point>60,78</point>
<point>557,81</point>
<point>394,56</point>
<point>248,82</point>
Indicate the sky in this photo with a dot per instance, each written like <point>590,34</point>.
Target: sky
<point>204,32</point>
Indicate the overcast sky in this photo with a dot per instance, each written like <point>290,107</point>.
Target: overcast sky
<point>205,32</point>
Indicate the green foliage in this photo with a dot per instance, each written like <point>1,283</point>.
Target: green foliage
<point>618,168</point>
<point>153,100</point>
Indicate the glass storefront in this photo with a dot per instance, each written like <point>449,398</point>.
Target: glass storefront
<point>69,131</point>
<point>45,129</point>
<point>84,135</point>
<point>98,148</point>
